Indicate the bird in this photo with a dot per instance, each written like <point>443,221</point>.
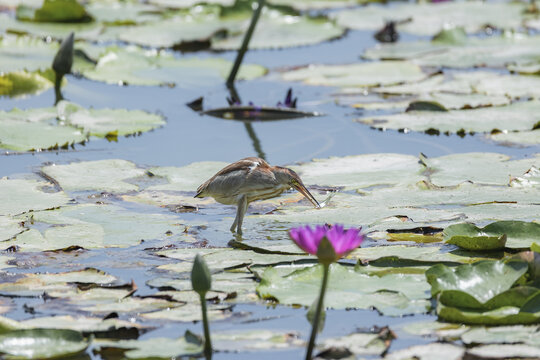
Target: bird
<point>248,180</point>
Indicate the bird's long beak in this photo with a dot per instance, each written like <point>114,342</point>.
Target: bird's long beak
<point>302,190</point>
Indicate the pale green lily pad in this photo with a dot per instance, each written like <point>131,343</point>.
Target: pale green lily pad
<point>531,178</point>
<point>480,285</point>
<point>107,122</point>
<point>518,234</point>
<point>223,258</point>
<point>255,340</point>
<point>79,323</point>
<point>505,351</point>
<point>430,18</point>
<point>190,312</point>
<point>517,116</point>
<point>100,175</point>
<point>503,335</point>
<point>20,196</point>
<point>123,13</point>
<point>154,347</point>
<point>277,30</point>
<point>493,51</point>
<point>367,74</point>
<point>419,254</point>
<point>393,294</point>
<point>428,352</point>
<point>184,4</point>
<point>136,66</point>
<point>42,343</point>
<point>517,138</point>
<point>436,329</point>
<point>9,227</point>
<point>274,30</point>
<point>95,226</point>
<point>37,284</point>
<point>30,54</point>
<point>186,178</point>
<point>454,169</point>
<point>36,129</point>
<point>354,172</point>
<point>303,5</point>
<point>358,343</point>
<point>133,305</point>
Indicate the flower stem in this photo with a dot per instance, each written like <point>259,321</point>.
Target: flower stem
<point>207,341</point>
<point>318,310</point>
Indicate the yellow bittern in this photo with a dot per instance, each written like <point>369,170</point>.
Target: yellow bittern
<point>248,180</point>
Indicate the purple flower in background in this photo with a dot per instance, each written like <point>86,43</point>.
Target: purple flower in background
<point>289,102</point>
<point>343,241</point>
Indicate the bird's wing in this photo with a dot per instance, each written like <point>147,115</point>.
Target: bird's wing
<point>232,177</point>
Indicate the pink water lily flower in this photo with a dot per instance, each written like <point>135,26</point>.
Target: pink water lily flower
<point>343,241</point>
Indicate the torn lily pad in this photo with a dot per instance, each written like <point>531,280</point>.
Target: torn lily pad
<point>368,74</point>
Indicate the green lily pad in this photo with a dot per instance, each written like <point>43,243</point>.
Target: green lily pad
<point>506,315</point>
<point>502,335</point>
<point>118,13</point>
<point>9,227</point>
<point>358,343</point>
<point>108,122</point>
<point>190,312</point>
<point>154,348</point>
<point>392,294</point>
<point>277,30</point>
<point>31,54</point>
<point>274,30</point>
<point>303,5</point>
<point>505,351</point>
<point>473,285</point>
<point>135,66</point>
<point>42,343</point>
<point>517,116</point>
<point>132,305</point>
<point>21,196</point>
<point>517,138</point>
<point>353,172</point>
<point>36,129</point>
<point>430,18</point>
<point>436,329</point>
<point>100,175</point>
<point>428,351</point>
<point>367,74</point>
<point>454,169</point>
<point>83,324</point>
<point>495,51</point>
<point>94,226</point>
<point>515,234</point>
<point>255,340</point>
<point>184,4</point>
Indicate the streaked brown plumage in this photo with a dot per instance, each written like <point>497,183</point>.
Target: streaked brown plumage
<point>248,180</point>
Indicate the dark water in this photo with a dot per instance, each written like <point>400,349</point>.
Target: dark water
<point>189,137</point>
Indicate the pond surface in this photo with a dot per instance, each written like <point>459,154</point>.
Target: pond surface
<point>189,137</point>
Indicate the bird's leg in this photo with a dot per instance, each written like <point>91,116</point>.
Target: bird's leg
<point>240,212</point>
